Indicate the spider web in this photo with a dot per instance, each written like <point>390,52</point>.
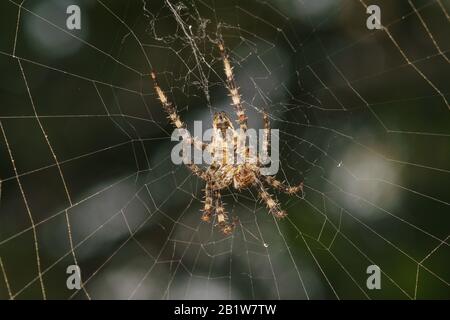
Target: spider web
<point>86,175</point>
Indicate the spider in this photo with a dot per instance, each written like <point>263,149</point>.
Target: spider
<point>222,174</point>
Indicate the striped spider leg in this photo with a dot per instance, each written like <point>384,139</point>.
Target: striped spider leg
<point>172,114</point>
<point>225,226</point>
<point>233,88</point>
<point>176,121</point>
<point>271,180</point>
<point>208,203</point>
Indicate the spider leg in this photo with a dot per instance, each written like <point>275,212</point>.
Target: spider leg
<point>278,185</point>
<point>208,203</point>
<point>272,181</point>
<point>236,102</point>
<point>179,124</point>
<point>220,210</point>
<point>172,113</point>
<point>222,218</point>
<point>271,202</point>
<point>232,88</point>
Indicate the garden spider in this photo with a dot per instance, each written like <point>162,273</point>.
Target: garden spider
<point>223,174</point>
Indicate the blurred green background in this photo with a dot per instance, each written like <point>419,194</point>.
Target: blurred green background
<point>85,169</point>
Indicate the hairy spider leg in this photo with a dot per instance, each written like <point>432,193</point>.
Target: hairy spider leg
<point>235,97</point>
<point>172,113</point>
<point>225,226</point>
<point>232,88</point>
<point>208,203</point>
<point>270,180</point>
<point>271,202</point>
<point>175,119</point>
<point>281,186</point>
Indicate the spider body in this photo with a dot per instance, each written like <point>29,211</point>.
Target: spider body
<point>225,171</point>
<point>238,176</point>
<point>245,176</point>
<point>226,145</point>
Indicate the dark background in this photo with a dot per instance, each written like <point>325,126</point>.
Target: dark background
<point>366,130</point>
